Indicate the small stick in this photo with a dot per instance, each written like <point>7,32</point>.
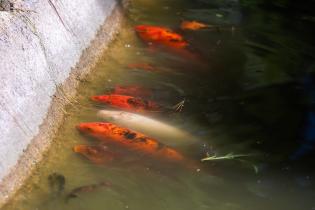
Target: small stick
<point>229,156</point>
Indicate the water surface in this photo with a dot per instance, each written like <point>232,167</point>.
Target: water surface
<point>251,91</point>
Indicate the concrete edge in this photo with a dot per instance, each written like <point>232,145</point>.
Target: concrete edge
<point>55,116</point>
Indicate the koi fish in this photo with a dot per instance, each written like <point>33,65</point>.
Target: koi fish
<point>166,133</point>
<point>129,103</point>
<point>135,104</point>
<point>86,189</point>
<point>193,25</point>
<point>96,154</point>
<point>157,36</point>
<point>143,66</point>
<point>130,140</point>
<point>161,36</point>
<point>132,90</point>
<point>156,33</point>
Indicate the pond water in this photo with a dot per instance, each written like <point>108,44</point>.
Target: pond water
<point>249,89</point>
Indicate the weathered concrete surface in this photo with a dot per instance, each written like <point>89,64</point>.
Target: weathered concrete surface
<point>45,47</point>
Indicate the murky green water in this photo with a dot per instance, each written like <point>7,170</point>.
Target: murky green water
<point>250,92</point>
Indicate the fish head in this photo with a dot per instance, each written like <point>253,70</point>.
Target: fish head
<point>82,149</point>
<point>94,128</point>
<point>141,28</point>
<point>101,98</point>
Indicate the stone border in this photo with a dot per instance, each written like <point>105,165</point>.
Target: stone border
<point>55,116</point>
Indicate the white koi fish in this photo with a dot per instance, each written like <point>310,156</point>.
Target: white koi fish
<point>165,133</point>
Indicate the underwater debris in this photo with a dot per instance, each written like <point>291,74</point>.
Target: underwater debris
<point>179,107</point>
<point>231,156</point>
<point>57,182</point>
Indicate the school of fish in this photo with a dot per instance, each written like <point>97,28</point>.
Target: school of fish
<point>128,127</point>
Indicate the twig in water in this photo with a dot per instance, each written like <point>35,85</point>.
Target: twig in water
<point>229,156</point>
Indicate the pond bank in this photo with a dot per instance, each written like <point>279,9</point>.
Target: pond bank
<point>47,47</point>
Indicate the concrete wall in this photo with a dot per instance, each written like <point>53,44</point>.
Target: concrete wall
<point>41,48</point>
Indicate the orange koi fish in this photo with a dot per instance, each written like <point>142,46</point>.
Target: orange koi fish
<point>128,103</point>
<point>157,36</point>
<point>131,140</point>
<point>143,66</point>
<point>96,154</point>
<point>132,90</point>
<point>161,36</point>
<point>193,25</point>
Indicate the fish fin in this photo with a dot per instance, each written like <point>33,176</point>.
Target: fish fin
<point>70,196</point>
<point>178,107</point>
